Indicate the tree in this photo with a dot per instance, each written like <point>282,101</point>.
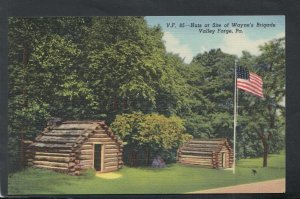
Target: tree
<point>173,91</point>
<point>152,133</point>
<point>42,56</point>
<point>86,68</point>
<point>210,77</point>
<point>211,83</point>
<point>125,61</point>
<point>265,117</point>
<point>128,62</point>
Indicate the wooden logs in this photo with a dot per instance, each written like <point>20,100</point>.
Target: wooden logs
<point>86,152</point>
<point>47,145</point>
<point>86,147</point>
<point>207,161</point>
<point>111,146</point>
<point>86,162</point>
<point>98,141</point>
<point>52,168</point>
<point>74,126</point>
<point>107,139</point>
<point>209,152</point>
<point>196,152</point>
<point>100,132</point>
<point>100,136</point>
<point>109,155</point>
<point>111,151</point>
<point>196,157</point>
<point>196,163</point>
<point>110,168</point>
<point>113,159</point>
<point>108,164</point>
<point>52,164</point>
<point>85,157</point>
<point>71,133</point>
<point>81,167</point>
<point>52,154</point>
<point>69,147</point>
<point>202,149</point>
<point>53,150</point>
<point>54,158</point>
<point>56,139</point>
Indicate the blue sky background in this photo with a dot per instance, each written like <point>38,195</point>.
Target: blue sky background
<point>188,42</point>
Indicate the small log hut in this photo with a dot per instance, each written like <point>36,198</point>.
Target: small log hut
<point>213,153</point>
<point>73,146</point>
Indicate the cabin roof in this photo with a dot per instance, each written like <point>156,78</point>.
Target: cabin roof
<point>213,145</point>
<point>70,134</point>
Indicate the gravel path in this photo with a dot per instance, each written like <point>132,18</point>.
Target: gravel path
<point>271,186</point>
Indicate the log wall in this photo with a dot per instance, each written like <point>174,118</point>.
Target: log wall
<point>194,154</point>
<point>112,154</point>
<point>69,148</point>
<point>227,158</point>
<point>53,150</point>
<point>205,153</point>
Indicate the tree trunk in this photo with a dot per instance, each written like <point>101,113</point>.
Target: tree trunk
<point>145,160</point>
<point>131,158</point>
<point>148,156</point>
<point>21,150</point>
<point>265,144</point>
<point>135,162</point>
<point>265,157</point>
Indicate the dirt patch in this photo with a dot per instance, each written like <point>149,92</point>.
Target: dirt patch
<point>109,175</point>
<point>271,186</point>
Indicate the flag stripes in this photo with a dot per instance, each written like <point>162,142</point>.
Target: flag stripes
<point>249,82</point>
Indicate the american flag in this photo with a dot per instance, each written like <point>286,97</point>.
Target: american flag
<point>249,82</point>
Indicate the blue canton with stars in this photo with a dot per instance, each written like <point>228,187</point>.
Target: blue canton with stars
<point>242,73</point>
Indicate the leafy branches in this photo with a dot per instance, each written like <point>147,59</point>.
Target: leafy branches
<point>151,130</point>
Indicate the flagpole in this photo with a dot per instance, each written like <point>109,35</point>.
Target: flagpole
<point>235,116</point>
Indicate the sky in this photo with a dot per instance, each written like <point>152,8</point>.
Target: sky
<point>187,41</point>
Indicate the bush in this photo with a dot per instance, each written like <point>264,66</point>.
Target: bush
<point>147,135</point>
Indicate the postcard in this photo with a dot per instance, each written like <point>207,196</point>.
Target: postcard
<point>146,105</point>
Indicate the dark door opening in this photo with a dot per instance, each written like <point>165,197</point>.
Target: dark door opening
<point>97,157</point>
<point>223,160</point>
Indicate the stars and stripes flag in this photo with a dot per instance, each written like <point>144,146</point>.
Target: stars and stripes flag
<point>249,82</point>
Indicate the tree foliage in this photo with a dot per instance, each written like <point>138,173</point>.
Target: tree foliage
<point>86,68</point>
<point>117,69</point>
<point>211,81</point>
<point>151,133</point>
<point>150,130</point>
<point>263,119</point>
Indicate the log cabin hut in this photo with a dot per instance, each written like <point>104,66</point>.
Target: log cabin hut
<point>74,146</point>
<point>213,153</point>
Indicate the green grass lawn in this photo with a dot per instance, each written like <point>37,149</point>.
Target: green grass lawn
<point>175,178</point>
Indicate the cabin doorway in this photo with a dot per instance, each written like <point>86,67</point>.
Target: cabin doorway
<point>98,156</point>
<point>223,160</point>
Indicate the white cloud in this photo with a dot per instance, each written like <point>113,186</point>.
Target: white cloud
<point>236,43</point>
<point>231,44</point>
<point>173,45</point>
